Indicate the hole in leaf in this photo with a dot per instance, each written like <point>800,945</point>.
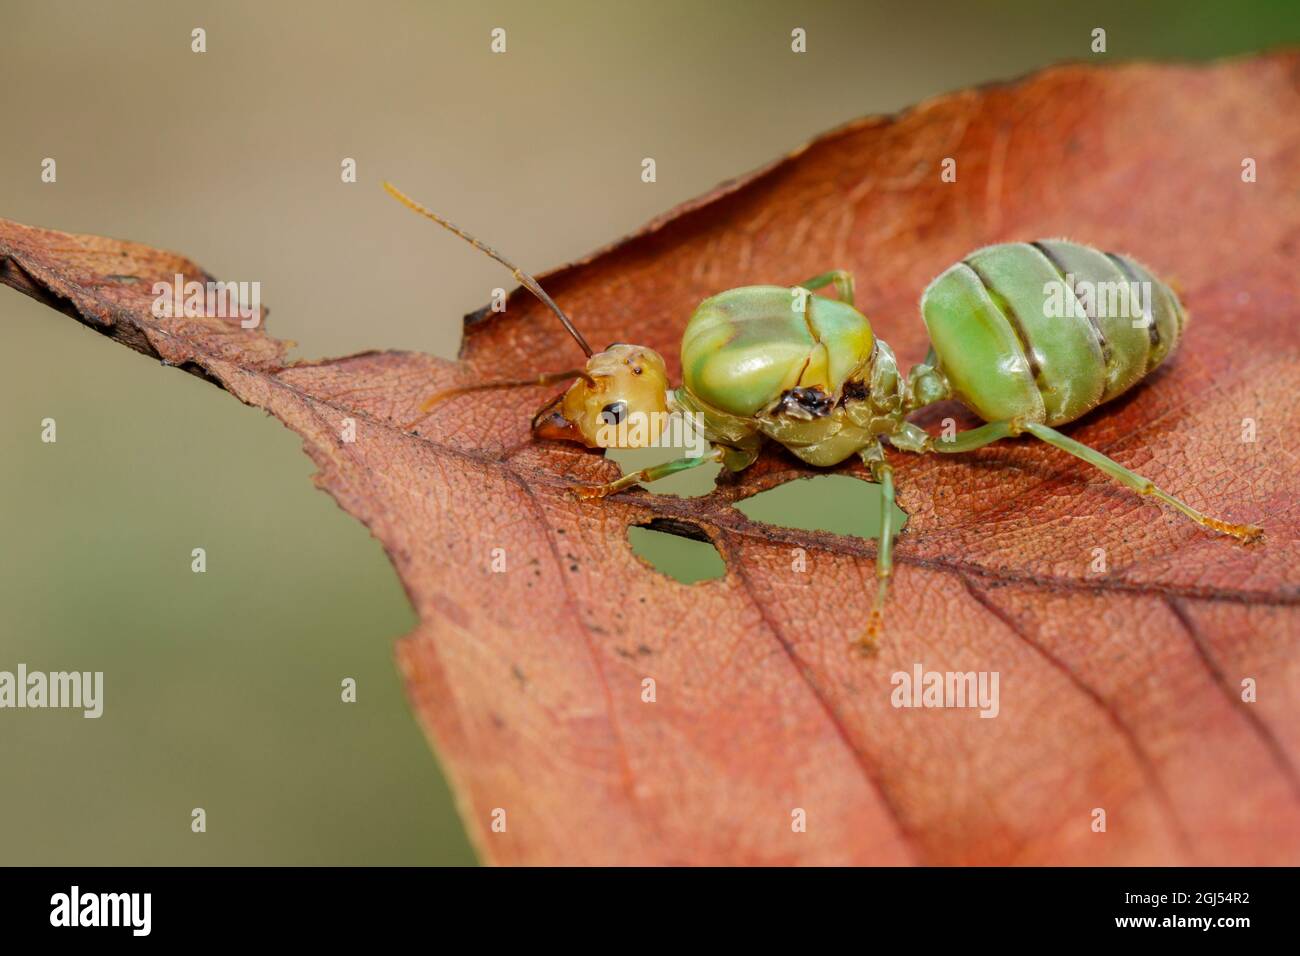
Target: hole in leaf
<point>835,503</point>
<point>679,549</point>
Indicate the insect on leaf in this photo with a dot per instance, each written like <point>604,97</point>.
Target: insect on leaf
<point>1120,683</point>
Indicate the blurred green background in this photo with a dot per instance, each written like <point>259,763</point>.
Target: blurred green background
<point>223,688</point>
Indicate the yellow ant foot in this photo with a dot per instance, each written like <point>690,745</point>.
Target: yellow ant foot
<point>869,642</point>
<point>593,492</point>
<point>1246,533</point>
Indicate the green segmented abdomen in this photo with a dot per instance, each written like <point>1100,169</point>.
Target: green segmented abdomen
<point>1047,331</point>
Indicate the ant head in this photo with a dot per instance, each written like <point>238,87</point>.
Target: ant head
<point>621,401</point>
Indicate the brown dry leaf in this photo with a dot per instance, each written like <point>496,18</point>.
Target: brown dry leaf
<point>1120,691</point>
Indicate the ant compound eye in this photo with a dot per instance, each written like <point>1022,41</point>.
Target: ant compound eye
<point>614,413</point>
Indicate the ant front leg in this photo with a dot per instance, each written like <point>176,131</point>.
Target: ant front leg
<point>840,278</point>
<point>647,475</point>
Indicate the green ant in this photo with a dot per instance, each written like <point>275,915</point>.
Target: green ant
<point>1013,337</point>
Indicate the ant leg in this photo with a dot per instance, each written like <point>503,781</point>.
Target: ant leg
<point>1142,486</point>
<point>985,434</point>
<point>840,278</point>
<point>884,477</point>
<point>646,475</point>
<point>973,438</point>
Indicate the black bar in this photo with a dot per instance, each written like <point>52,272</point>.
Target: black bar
<point>920,906</point>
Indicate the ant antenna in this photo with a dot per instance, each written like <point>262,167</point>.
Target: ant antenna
<point>437,398</point>
<point>523,278</point>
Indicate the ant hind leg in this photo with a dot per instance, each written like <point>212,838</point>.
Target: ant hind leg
<point>1143,486</point>
<point>986,434</point>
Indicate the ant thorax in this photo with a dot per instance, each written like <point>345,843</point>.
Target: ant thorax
<point>825,429</point>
